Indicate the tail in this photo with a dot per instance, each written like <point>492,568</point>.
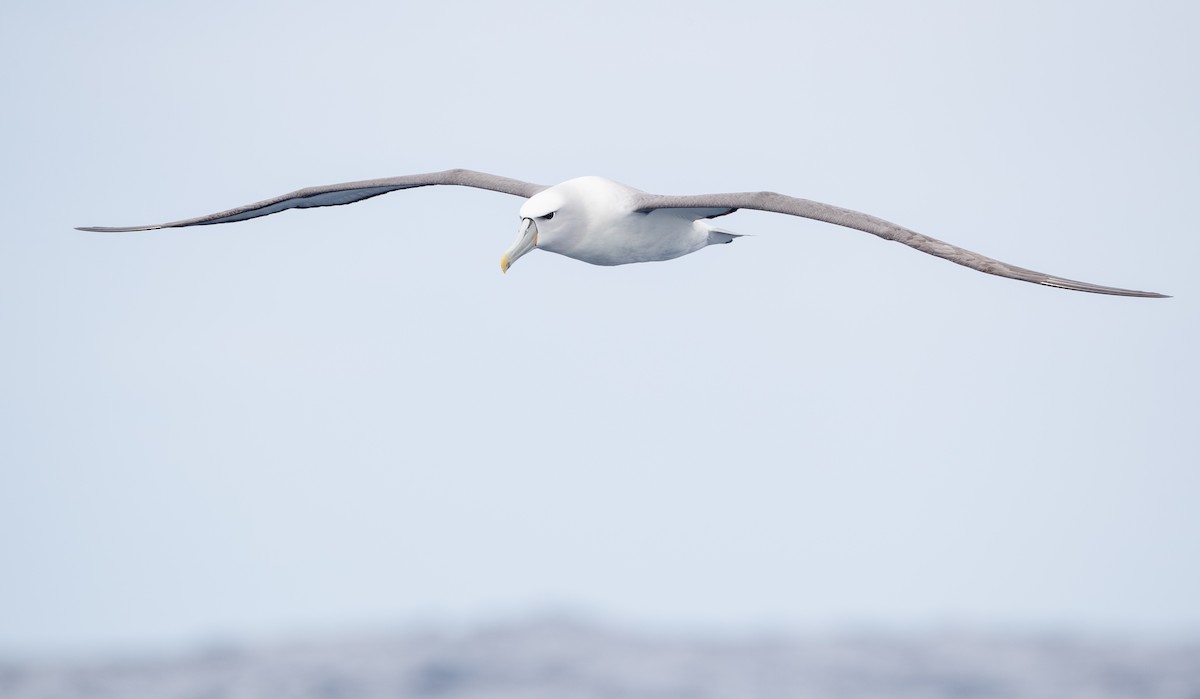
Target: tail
<point>719,235</point>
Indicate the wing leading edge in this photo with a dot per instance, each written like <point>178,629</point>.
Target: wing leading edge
<point>806,208</point>
<point>344,193</point>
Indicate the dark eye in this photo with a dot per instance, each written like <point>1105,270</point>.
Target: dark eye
<point>549,216</point>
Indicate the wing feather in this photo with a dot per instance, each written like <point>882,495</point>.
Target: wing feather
<point>806,208</point>
<point>344,193</point>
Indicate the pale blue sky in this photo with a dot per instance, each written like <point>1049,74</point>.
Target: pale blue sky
<point>343,417</point>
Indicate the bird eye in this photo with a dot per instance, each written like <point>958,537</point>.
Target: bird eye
<point>549,216</point>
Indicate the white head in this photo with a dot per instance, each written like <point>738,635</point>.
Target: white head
<point>557,219</point>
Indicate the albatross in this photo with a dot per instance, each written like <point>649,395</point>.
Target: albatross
<point>603,222</point>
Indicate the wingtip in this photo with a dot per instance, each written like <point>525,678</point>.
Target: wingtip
<point>1071,285</point>
<point>1145,294</point>
<point>1138,294</point>
<point>111,229</point>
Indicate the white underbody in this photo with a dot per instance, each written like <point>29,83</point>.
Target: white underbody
<point>637,237</point>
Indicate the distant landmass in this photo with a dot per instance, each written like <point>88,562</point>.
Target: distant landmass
<point>568,660</point>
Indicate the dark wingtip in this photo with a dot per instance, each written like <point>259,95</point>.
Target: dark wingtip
<point>109,229</point>
<point>1072,285</point>
<point>1136,294</point>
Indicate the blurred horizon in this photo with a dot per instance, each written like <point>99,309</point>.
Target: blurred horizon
<point>200,644</point>
<point>564,658</point>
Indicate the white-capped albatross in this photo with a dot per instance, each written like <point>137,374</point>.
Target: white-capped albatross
<point>606,223</point>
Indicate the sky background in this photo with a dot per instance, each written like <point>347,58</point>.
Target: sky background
<point>347,417</point>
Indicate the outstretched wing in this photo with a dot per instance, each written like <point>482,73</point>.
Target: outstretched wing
<point>346,193</point>
<point>779,203</point>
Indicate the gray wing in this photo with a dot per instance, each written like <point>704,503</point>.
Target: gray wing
<point>346,193</point>
<point>778,203</point>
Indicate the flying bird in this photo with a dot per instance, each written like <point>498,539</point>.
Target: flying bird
<point>604,222</point>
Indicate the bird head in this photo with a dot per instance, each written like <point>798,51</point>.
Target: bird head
<point>567,217</point>
<point>542,220</point>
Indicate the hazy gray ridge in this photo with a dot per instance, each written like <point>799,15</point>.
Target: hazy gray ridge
<point>568,660</point>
